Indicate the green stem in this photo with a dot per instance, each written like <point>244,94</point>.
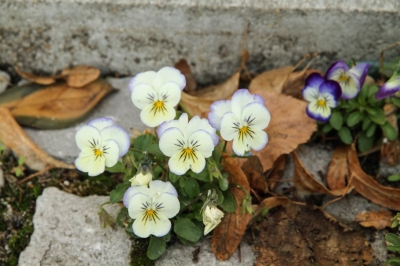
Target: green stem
<point>223,150</point>
<point>190,203</point>
<point>184,109</point>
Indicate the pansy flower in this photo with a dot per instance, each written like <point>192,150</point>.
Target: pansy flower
<point>156,94</point>
<point>322,95</point>
<point>152,207</point>
<point>101,143</point>
<point>350,79</point>
<point>211,218</point>
<point>187,143</point>
<point>389,88</point>
<point>243,120</point>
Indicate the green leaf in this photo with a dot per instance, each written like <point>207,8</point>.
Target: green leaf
<point>327,128</point>
<point>371,130</point>
<point>223,183</point>
<point>186,229</point>
<point>117,168</point>
<point>142,142</point>
<point>117,194</point>
<point>354,118</point>
<point>393,239</point>
<point>336,120</point>
<point>366,122</point>
<point>394,178</point>
<point>202,176</point>
<point>394,248</point>
<point>396,101</point>
<point>389,131</point>
<point>393,262</point>
<point>229,203</point>
<point>345,135</point>
<point>173,177</point>
<point>156,247</point>
<point>154,149</point>
<point>21,160</point>
<point>192,187</point>
<point>364,143</point>
<point>379,117</point>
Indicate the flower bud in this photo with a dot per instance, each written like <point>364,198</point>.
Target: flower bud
<point>211,218</point>
<point>143,176</point>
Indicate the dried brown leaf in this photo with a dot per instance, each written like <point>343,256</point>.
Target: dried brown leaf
<point>14,137</point>
<point>295,82</point>
<point>58,105</point>
<point>80,76</point>
<point>276,173</point>
<point>305,182</point>
<point>34,78</point>
<point>199,104</point>
<point>255,175</point>
<point>229,233</point>
<point>378,220</point>
<point>368,187</point>
<point>338,169</point>
<point>183,66</point>
<point>272,80</point>
<point>289,126</point>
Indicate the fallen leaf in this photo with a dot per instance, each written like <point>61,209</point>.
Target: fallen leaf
<point>390,150</point>
<point>289,126</point>
<point>15,138</point>
<point>295,82</point>
<point>183,66</point>
<point>80,76</point>
<point>273,202</point>
<point>253,170</point>
<point>34,78</point>
<point>378,220</point>
<point>229,233</point>
<point>338,169</point>
<point>276,173</point>
<point>53,106</point>
<point>272,80</point>
<point>199,104</point>
<point>368,187</point>
<point>305,182</point>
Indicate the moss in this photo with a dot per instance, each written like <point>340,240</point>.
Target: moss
<point>139,253</point>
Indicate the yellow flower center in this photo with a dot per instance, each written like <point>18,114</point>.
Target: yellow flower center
<point>150,215</point>
<point>344,78</point>
<point>158,106</point>
<point>98,152</point>
<point>188,153</point>
<point>321,103</point>
<point>245,131</point>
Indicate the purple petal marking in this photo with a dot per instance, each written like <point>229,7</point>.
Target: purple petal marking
<point>361,71</point>
<point>332,87</point>
<point>317,116</point>
<point>334,67</point>
<point>314,80</point>
<point>388,89</point>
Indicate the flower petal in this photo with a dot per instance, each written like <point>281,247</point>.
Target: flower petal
<point>159,187</point>
<point>331,87</point>
<point>170,93</point>
<point>143,95</point>
<point>118,134</point>
<point>218,109</point>
<point>351,88</point>
<point>388,89</point>
<point>240,146</point>
<point>241,98</point>
<point>361,71</point>
<point>180,124</point>
<point>229,126</point>
<point>314,80</point>
<point>87,136</point>
<point>171,141</point>
<point>338,66</point>
<point>144,77</point>
<point>178,165</point>
<point>258,114</point>
<point>196,123</point>
<point>88,162</point>
<point>258,140</point>
<point>131,191</point>
<point>310,93</point>
<point>101,123</point>
<point>203,142</point>
<point>169,203</point>
<point>135,205</point>
<point>110,152</point>
<point>162,226</point>
<point>317,113</point>
<point>153,118</point>
<point>169,74</point>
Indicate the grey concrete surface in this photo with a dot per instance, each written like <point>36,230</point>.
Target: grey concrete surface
<point>129,36</point>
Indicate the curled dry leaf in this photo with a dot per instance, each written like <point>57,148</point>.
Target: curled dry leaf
<point>12,136</point>
<point>229,233</point>
<point>36,79</point>
<point>295,82</point>
<point>378,220</point>
<point>289,126</point>
<point>276,173</point>
<point>255,175</point>
<point>338,169</point>
<point>183,66</point>
<point>53,106</point>
<point>368,187</point>
<point>272,80</point>
<point>80,76</point>
<point>305,182</point>
<point>200,103</point>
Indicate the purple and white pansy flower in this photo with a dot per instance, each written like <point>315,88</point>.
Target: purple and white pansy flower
<point>349,79</point>
<point>102,144</point>
<point>156,94</point>
<point>389,88</point>
<point>243,120</point>
<point>322,95</point>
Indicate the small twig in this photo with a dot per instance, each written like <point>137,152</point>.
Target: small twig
<point>44,170</point>
<point>255,194</point>
<point>372,150</point>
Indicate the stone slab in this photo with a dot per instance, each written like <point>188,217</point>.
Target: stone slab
<point>130,36</point>
<point>67,232</point>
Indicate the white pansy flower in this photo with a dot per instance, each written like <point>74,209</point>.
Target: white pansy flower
<point>101,143</point>
<point>151,207</point>
<point>143,176</point>
<point>187,143</point>
<point>242,120</point>
<point>156,94</point>
<point>211,218</point>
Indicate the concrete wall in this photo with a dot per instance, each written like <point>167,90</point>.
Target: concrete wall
<point>129,36</point>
